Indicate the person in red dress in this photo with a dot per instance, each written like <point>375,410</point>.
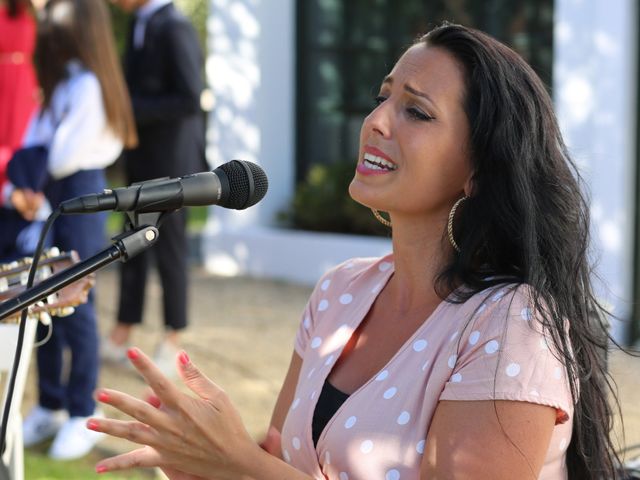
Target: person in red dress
<point>18,101</point>
<point>18,86</point>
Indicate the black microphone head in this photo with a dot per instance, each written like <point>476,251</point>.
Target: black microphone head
<point>248,184</point>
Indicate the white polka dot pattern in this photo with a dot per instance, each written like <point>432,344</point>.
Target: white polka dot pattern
<point>513,369</point>
<point>351,421</point>
<point>452,361</point>
<point>498,296</point>
<point>366,447</point>
<point>420,345</point>
<point>346,299</point>
<point>403,418</point>
<point>390,393</point>
<point>465,353</point>
<point>491,347</point>
<point>384,266</point>
<point>392,475</point>
<point>296,443</point>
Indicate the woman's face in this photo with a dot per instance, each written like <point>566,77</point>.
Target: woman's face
<point>413,157</point>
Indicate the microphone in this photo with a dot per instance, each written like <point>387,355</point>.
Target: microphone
<point>236,184</point>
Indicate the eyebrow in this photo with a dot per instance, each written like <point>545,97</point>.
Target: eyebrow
<point>389,79</point>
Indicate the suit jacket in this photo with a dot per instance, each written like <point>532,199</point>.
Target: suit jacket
<point>165,82</point>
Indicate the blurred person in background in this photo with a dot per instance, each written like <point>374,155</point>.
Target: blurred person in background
<point>163,69</point>
<point>18,102</point>
<point>85,120</point>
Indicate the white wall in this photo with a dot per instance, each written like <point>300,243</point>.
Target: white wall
<point>595,96</point>
<point>250,70</point>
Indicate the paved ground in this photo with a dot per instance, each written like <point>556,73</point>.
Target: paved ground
<point>242,334</point>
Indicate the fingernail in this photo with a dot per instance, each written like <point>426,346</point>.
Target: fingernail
<point>92,425</point>
<point>184,358</point>
<point>133,353</point>
<point>101,469</point>
<point>103,397</point>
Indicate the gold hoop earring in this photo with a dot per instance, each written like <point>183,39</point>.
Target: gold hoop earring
<point>452,213</point>
<point>380,218</point>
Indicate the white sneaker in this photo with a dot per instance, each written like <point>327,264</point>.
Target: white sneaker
<point>165,358</point>
<point>42,424</point>
<point>75,440</point>
<point>112,353</point>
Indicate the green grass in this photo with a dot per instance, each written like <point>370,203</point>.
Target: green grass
<point>37,466</point>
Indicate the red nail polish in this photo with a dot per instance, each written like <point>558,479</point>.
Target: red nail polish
<point>101,469</point>
<point>92,425</point>
<point>184,358</point>
<point>103,397</point>
<point>133,353</point>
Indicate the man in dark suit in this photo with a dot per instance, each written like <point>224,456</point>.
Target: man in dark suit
<point>163,67</point>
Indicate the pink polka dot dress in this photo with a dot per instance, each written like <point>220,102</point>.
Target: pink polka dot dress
<point>489,347</point>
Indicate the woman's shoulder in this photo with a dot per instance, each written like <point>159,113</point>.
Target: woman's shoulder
<point>498,300</point>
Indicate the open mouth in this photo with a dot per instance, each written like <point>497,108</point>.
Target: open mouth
<point>374,162</point>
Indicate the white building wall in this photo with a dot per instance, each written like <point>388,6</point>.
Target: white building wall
<point>250,70</point>
<point>595,95</point>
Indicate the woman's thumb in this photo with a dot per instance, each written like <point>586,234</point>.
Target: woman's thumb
<point>272,442</point>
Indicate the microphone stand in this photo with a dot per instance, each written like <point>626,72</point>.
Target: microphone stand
<point>126,245</point>
<point>141,233</point>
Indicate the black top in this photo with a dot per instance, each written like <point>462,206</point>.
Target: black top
<point>165,82</point>
<point>331,399</point>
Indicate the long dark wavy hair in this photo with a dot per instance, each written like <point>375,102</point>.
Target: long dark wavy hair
<point>81,30</point>
<point>527,220</point>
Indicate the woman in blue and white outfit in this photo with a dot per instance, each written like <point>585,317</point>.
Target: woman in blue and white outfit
<point>85,121</point>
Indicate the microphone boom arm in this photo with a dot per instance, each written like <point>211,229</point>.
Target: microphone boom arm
<point>125,246</point>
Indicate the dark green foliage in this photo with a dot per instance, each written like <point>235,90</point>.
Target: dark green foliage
<point>322,203</point>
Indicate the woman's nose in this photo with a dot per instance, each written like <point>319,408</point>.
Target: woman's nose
<point>379,120</point>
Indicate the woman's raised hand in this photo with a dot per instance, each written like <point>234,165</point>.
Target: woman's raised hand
<point>191,438</point>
